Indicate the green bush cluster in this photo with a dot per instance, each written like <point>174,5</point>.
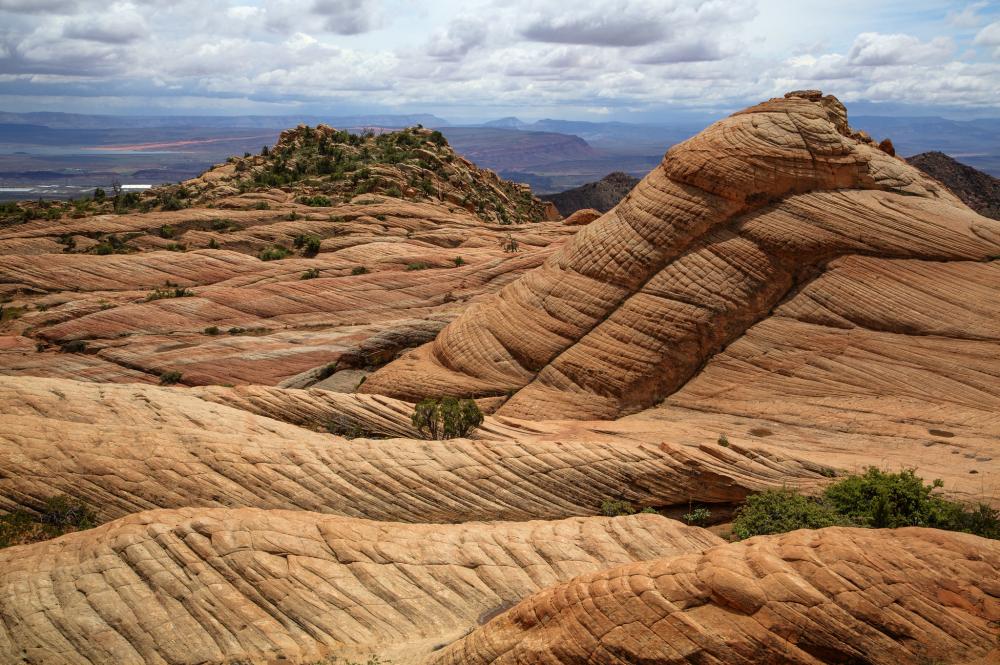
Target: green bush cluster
<point>170,378</point>
<point>273,253</point>
<point>59,514</point>
<point>875,499</point>
<point>308,244</point>
<point>175,292</point>
<point>446,417</point>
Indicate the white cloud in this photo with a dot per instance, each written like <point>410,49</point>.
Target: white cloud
<point>874,49</point>
<point>502,54</point>
<point>990,37</point>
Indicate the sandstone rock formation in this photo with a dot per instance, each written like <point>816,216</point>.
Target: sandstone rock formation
<point>213,586</point>
<point>781,303</point>
<point>126,448</point>
<point>733,221</point>
<point>808,597</point>
<point>582,217</point>
<point>272,324</point>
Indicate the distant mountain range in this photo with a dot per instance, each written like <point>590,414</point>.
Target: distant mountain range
<point>550,155</point>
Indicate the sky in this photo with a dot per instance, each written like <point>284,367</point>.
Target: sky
<point>473,60</point>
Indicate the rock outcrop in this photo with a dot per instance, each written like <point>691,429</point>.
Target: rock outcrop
<point>980,191</point>
<point>223,586</point>
<point>602,195</point>
<point>733,221</point>
<point>808,597</point>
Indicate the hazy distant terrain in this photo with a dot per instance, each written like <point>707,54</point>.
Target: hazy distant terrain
<point>60,154</point>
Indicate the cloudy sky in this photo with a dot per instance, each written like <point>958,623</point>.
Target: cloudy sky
<point>479,59</point>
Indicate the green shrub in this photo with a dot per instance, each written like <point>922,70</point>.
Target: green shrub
<point>446,418</point>
<point>167,231</point>
<point>723,440</point>
<point>889,500</point>
<point>509,244</point>
<point>171,203</point>
<point>874,499</point>
<point>273,253</point>
<point>312,273</point>
<point>176,292</point>
<point>308,244</point>
<point>64,513</point>
<point>616,508</point>
<point>111,244</point>
<point>459,261</point>
<point>10,312</point>
<point>417,266</point>
<point>359,270</point>
<point>699,516</point>
<point>262,205</point>
<point>318,201</point>
<point>170,378</point>
<point>212,330</point>
<point>59,515</point>
<point>781,510</point>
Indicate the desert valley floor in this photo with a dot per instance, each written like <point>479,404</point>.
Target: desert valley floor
<point>228,383</point>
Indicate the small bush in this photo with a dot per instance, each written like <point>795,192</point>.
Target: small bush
<point>723,440</point>
<point>170,378</point>
<point>359,270</point>
<point>447,417</point>
<point>308,244</point>
<point>167,231</point>
<point>699,516</point>
<point>509,244</point>
<point>616,508</point>
<point>64,513</point>
<point>782,510</point>
<point>10,312</point>
<point>236,331</point>
<point>212,330</point>
<point>459,261</point>
<point>176,292</point>
<point>273,253</point>
<point>262,205</point>
<point>417,266</point>
<point>312,273</point>
<point>59,515</point>
<point>171,203</point>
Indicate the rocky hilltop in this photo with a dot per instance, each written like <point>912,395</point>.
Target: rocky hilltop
<point>602,195</point>
<point>980,191</point>
<point>696,425</point>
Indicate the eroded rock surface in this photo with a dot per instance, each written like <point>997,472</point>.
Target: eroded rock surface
<point>704,247</point>
<point>212,586</point>
<point>808,597</point>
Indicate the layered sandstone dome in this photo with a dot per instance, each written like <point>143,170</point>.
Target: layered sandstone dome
<point>733,221</point>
